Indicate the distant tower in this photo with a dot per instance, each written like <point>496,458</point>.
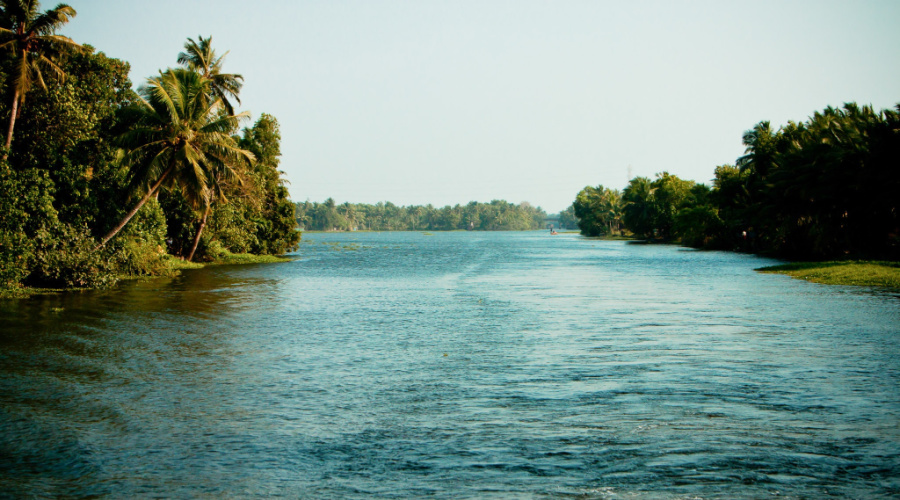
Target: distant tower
<point>630,174</point>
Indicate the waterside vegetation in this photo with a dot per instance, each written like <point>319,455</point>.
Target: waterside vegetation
<point>99,182</point>
<point>497,215</point>
<point>824,189</point>
<point>881,274</point>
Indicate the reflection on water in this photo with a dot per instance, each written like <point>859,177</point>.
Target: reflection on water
<point>456,365</point>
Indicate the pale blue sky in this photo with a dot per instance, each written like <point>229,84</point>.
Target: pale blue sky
<point>447,102</point>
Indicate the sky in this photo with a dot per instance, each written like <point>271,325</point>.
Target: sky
<point>446,102</point>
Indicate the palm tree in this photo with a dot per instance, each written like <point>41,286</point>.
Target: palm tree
<point>760,152</point>
<point>180,137</point>
<point>214,193</point>
<point>611,206</point>
<point>350,214</point>
<point>597,209</point>
<point>200,57</point>
<point>31,37</point>
<point>638,212</point>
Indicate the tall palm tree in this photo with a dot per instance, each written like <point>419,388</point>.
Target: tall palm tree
<point>30,37</point>
<point>638,212</point>
<point>761,148</point>
<point>180,137</point>
<point>214,192</point>
<point>611,205</point>
<point>200,57</point>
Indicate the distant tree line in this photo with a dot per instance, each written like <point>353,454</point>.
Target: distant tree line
<point>98,181</point>
<point>568,219</point>
<point>825,188</point>
<point>494,216</point>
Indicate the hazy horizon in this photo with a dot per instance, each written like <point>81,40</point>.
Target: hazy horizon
<point>446,103</point>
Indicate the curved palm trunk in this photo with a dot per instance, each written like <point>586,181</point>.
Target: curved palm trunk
<point>12,122</point>
<point>199,231</point>
<point>134,210</point>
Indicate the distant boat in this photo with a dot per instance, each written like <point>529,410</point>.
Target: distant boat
<point>552,233</point>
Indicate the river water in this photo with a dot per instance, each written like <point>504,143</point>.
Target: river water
<point>456,365</point>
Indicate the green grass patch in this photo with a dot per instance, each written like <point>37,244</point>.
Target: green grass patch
<point>851,273</point>
<point>177,264</point>
<point>245,258</point>
<point>608,237</point>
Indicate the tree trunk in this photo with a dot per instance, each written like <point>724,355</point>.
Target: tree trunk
<point>199,231</point>
<point>134,210</point>
<point>12,122</point>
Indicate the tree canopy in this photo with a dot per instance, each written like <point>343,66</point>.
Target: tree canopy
<point>823,188</point>
<point>29,39</point>
<point>95,159</point>
<point>497,215</point>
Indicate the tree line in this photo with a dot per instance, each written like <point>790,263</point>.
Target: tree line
<point>497,215</point>
<point>98,181</point>
<point>825,188</point>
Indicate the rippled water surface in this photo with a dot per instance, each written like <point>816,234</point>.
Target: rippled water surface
<point>456,365</point>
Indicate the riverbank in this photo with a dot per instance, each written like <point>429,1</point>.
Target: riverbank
<point>173,266</point>
<point>883,274</point>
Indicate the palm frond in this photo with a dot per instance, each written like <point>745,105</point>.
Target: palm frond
<point>51,20</point>
<point>44,61</point>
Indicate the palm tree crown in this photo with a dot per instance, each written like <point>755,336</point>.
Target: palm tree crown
<point>200,57</point>
<point>180,137</point>
<point>30,37</point>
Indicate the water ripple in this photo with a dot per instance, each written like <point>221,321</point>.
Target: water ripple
<point>461,365</point>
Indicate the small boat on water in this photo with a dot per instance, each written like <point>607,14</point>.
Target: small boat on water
<point>553,233</point>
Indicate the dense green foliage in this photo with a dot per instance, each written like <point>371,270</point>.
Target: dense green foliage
<point>598,210</point>
<point>180,140</point>
<point>33,49</point>
<point>494,216</point>
<point>81,158</point>
<point>824,188</point>
<point>259,217</point>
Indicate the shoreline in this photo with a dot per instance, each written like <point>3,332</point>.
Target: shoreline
<point>869,273</point>
<point>176,266</point>
<point>864,273</point>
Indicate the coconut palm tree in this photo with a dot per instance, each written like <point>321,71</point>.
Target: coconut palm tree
<point>214,193</point>
<point>200,57</point>
<point>30,37</point>
<point>638,211</point>
<point>761,148</point>
<point>611,206</point>
<point>180,137</point>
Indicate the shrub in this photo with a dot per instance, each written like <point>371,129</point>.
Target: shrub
<point>64,257</point>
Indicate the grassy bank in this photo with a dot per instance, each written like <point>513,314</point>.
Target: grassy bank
<point>610,237</point>
<point>851,273</point>
<point>171,266</point>
<point>242,258</point>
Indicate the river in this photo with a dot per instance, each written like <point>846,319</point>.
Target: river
<point>456,365</point>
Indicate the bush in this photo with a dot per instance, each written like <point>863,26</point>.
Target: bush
<point>26,206</point>
<point>699,226</point>
<point>64,256</point>
<point>140,249</point>
<point>14,252</point>
<point>231,224</point>
<point>136,257</point>
<point>214,250</point>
